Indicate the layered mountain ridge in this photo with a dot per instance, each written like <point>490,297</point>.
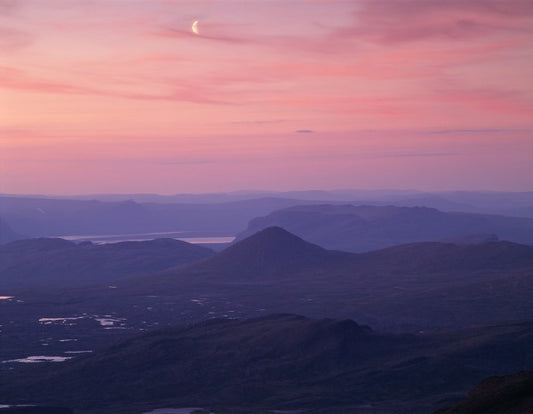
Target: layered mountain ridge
<point>364,228</point>
<point>48,262</point>
<point>276,362</point>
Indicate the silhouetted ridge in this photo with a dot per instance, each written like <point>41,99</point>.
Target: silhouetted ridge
<point>41,244</point>
<point>477,238</point>
<point>216,359</point>
<point>434,256</point>
<point>269,251</point>
<point>35,410</point>
<point>277,238</point>
<point>51,262</point>
<point>279,361</point>
<point>511,394</point>
<point>365,228</point>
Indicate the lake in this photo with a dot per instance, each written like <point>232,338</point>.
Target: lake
<point>186,236</point>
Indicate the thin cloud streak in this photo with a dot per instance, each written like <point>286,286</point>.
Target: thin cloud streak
<point>213,33</point>
<point>8,7</point>
<point>414,20</point>
<point>12,40</point>
<point>468,131</point>
<point>18,80</point>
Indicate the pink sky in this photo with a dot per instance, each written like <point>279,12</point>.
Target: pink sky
<point>120,96</point>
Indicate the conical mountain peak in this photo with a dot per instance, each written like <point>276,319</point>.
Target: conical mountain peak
<point>267,252</point>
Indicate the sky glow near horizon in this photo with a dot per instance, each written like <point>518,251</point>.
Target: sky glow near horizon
<point>121,96</point>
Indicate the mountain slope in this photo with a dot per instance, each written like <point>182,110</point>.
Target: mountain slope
<point>405,287</point>
<point>272,252</point>
<point>421,286</point>
<point>511,393</point>
<point>7,234</point>
<point>365,228</point>
<point>448,257</point>
<point>48,262</point>
<point>278,361</point>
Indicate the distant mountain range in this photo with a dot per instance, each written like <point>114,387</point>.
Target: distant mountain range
<point>38,263</point>
<point>282,362</point>
<point>518,204</point>
<point>49,217</point>
<point>223,214</point>
<point>365,228</point>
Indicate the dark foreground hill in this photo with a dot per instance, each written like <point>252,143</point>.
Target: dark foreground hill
<point>34,410</point>
<point>278,362</point>
<point>364,228</point>
<point>511,393</point>
<point>37,263</point>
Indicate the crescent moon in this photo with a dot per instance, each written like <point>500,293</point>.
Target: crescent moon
<point>194,27</point>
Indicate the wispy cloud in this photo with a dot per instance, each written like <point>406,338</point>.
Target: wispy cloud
<point>182,161</point>
<point>468,131</point>
<point>9,6</point>
<point>493,100</point>
<point>11,78</point>
<point>260,122</point>
<point>415,154</point>
<point>13,39</point>
<point>208,31</point>
<point>413,20</point>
